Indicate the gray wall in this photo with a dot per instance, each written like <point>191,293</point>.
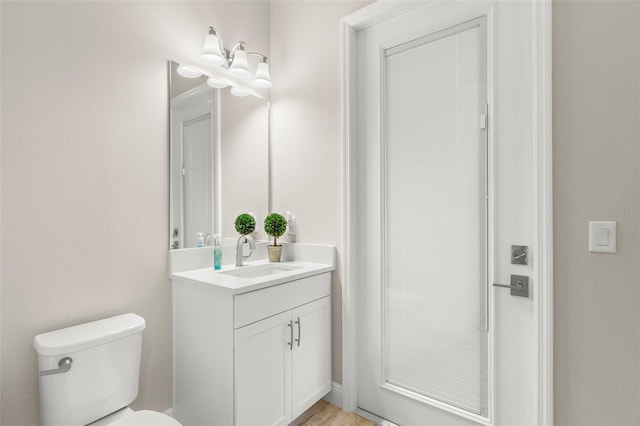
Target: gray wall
<point>596,139</point>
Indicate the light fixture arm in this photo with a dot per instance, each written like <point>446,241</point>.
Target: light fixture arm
<point>262,57</point>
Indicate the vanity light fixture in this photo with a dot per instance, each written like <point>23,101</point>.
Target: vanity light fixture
<point>235,60</point>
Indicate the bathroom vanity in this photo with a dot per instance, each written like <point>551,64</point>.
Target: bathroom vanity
<point>252,345</point>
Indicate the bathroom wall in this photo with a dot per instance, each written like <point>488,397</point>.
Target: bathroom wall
<point>306,138</point>
<point>84,173</point>
<point>596,138</point>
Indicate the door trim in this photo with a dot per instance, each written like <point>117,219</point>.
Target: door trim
<point>542,166</point>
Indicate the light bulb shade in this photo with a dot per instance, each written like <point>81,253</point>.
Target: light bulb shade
<point>216,83</point>
<point>236,91</point>
<point>211,52</point>
<point>187,71</point>
<point>262,78</point>
<point>239,66</point>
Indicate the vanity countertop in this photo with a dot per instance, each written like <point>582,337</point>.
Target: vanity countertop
<point>228,279</point>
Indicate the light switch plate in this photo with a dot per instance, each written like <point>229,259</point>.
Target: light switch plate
<point>602,237</point>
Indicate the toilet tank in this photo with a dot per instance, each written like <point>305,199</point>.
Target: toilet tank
<point>104,372</point>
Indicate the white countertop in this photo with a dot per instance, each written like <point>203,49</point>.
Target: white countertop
<point>238,285</point>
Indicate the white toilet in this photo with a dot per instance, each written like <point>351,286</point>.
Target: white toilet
<point>89,374</point>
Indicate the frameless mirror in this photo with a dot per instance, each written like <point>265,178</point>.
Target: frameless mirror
<point>219,159</point>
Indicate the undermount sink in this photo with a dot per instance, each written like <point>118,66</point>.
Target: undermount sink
<point>260,270</point>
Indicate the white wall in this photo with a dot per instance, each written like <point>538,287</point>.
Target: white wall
<point>84,172</point>
<point>596,104</point>
<point>306,139</point>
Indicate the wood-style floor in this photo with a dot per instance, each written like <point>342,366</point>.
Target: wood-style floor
<point>325,414</point>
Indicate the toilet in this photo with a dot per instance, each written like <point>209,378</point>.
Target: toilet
<point>89,374</point>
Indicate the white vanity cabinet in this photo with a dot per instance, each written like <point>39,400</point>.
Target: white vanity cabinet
<point>256,358</point>
<point>282,364</point>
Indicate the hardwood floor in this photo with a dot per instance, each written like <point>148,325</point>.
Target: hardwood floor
<point>325,414</point>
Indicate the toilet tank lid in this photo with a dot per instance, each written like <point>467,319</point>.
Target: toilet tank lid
<point>83,336</point>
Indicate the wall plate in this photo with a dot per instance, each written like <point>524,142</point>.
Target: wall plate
<point>520,279</point>
<point>519,255</point>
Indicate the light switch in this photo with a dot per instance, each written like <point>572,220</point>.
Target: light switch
<point>602,237</point>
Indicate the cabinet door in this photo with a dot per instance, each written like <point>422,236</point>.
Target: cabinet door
<point>311,363</point>
<point>263,372</point>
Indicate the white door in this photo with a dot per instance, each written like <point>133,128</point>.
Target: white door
<point>198,178</point>
<point>311,363</point>
<point>194,184</point>
<point>445,184</point>
<point>263,372</point>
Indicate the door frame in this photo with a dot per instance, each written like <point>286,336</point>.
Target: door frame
<point>542,267</point>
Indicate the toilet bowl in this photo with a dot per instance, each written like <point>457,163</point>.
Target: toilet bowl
<point>128,417</point>
<point>88,374</point>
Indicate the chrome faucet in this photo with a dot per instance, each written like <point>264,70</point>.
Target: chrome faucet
<point>240,248</point>
<point>206,238</point>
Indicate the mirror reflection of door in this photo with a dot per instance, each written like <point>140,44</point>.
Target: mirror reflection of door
<point>193,162</point>
<point>197,178</point>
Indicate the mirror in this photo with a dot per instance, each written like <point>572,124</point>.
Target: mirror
<point>219,160</point>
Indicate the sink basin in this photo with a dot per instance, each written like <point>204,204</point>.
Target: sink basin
<point>259,271</point>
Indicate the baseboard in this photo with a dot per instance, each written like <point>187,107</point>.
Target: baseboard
<point>335,396</point>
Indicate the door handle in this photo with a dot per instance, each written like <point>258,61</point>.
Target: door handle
<point>519,285</point>
<point>299,331</point>
<point>64,365</point>
<point>290,342</point>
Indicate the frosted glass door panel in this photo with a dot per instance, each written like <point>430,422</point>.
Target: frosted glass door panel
<point>198,179</point>
<point>435,218</point>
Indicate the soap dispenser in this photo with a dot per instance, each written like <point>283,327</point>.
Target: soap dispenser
<point>217,252</point>
<point>200,242</point>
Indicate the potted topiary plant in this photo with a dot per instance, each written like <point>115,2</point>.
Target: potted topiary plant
<point>274,225</point>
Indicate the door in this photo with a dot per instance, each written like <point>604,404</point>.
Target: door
<point>444,184</point>
<point>194,166</point>
<point>311,363</point>
<point>198,178</point>
<point>263,372</point>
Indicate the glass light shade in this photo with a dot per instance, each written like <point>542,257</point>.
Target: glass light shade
<point>239,66</point>
<point>236,91</point>
<point>262,78</point>
<point>216,83</point>
<point>211,52</point>
<point>188,72</point>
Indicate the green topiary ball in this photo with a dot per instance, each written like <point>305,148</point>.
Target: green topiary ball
<point>245,224</point>
<point>274,225</point>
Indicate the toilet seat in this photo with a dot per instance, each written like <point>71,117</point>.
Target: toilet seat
<point>146,418</point>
